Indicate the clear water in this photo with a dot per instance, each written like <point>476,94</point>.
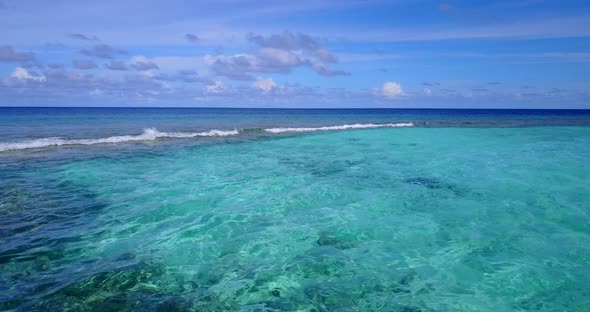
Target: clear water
<point>466,211</point>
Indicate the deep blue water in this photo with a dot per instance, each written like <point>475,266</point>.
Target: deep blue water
<point>28,123</point>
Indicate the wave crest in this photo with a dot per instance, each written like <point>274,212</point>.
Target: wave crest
<point>149,134</point>
<point>340,127</point>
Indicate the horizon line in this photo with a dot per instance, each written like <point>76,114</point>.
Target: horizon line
<point>295,108</point>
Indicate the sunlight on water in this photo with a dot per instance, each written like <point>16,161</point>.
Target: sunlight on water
<point>392,219</point>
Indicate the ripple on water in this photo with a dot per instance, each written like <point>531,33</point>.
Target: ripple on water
<point>379,220</point>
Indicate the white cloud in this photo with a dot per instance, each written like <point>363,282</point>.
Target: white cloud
<point>22,74</point>
<point>427,91</point>
<point>278,53</point>
<point>278,57</point>
<point>215,88</point>
<point>265,84</point>
<point>392,90</point>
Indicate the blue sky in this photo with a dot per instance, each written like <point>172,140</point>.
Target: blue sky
<point>476,54</point>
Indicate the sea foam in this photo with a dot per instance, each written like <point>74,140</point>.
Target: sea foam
<point>152,134</point>
<point>149,134</point>
<point>340,127</point>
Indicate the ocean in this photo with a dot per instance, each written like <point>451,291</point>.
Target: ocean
<point>175,209</point>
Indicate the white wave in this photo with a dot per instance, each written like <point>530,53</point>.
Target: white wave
<point>340,127</point>
<point>152,134</point>
<point>147,135</point>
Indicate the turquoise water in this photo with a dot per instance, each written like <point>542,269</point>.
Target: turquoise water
<point>384,219</point>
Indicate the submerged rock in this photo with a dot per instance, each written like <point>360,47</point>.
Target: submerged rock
<point>279,305</point>
<point>329,297</point>
<point>428,182</point>
<point>275,292</point>
<point>409,309</point>
<point>107,290</point>
<point>136,299</point>
<point>407,279</point>
<point>434,184</point>
<point>353,163</point>
<point>128,256</point>
<point>321,168</point>
<point>334,241</point>
<point>319,262</point>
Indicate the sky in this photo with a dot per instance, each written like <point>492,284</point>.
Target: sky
<point>307,53</point>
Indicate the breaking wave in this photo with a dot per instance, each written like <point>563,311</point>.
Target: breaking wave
<point>340,127</point>
<point>147,135</point>
<point>152,134</point>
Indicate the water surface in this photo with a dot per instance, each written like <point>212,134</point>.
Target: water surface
<point>464,211</point>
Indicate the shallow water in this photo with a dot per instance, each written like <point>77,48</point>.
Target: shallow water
<point>387,219</point>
